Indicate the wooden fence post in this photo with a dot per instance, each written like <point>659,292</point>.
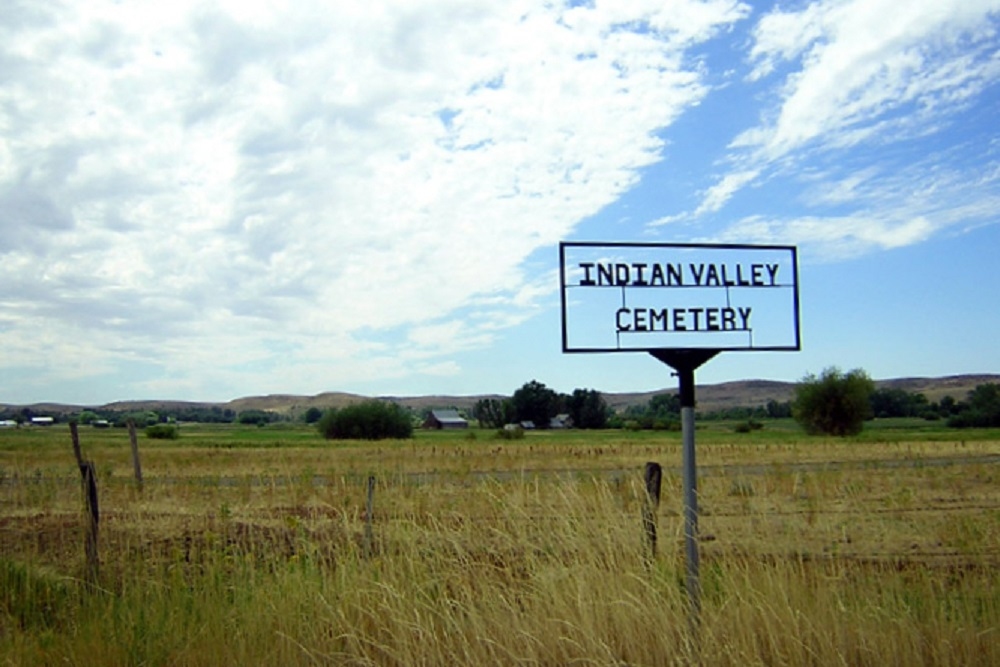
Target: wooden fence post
<point>75,436</point>
<point>89,479</point>
<point>651,503</point>
<point>135,453</point>
<point>94,515</point>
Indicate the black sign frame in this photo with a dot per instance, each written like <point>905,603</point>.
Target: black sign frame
<point>795,346</point>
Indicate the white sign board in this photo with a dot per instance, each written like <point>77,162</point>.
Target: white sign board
<point>619,297</point>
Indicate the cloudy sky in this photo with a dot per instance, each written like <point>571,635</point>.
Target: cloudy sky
<point>208,200</point>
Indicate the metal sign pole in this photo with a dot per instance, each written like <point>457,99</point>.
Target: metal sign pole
<point>685,362</point>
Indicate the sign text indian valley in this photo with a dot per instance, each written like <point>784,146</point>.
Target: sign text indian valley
<point>674,296</point>
<point>678,274</point>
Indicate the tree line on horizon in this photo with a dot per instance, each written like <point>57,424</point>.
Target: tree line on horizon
<point>834,402</point>
<point>846,398</point>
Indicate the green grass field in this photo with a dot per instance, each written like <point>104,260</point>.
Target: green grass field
<point>253,545</point>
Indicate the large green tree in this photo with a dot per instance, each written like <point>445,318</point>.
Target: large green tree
<point>981,409</point>
<point>493,412</point>
<point>835,403</point>
<point>893,402</point>
<point>587,408</point>
<point>87,417</point>
<point>258,417</point>
<point>536,403</point>
<point>312,415</point>
<point>370,420</point>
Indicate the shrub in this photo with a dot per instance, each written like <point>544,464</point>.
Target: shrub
<point>258,417</point>
<point>981,410</point>
<point>163,432</point>
<point>835,403</point>
<point>146,418</point>
<point>371,420</point>
<point>515,433</point>
<point>748,426</point>
<point>666,425</point>
<point>312,415</point>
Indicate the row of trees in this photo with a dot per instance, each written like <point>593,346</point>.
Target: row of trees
<point>888,402</point>
<point>201,415</point>
<point>533,402</point>
<point>837,403</point>
<point>981,409</point>
<point>833,403</point>
<point>538,404</point>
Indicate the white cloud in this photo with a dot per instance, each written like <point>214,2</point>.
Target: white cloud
<point>834,238</point>
<point>865,65</point>
<point>183,183</point>
<point>717,195</point>
<point>852,74</point>
<point>879,210</point>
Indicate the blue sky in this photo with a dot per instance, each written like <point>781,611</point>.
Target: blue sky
<point>204,201</point>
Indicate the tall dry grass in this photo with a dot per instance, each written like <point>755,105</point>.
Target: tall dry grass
<point>243,563</point>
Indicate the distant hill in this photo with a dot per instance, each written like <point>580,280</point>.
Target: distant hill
<point>956,386</point>
<point>753,393</point>
<point>744,393</point>
<point>710,397</point>
<point>288,403</point>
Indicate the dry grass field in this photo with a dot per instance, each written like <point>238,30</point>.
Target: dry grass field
<point>254,546</point>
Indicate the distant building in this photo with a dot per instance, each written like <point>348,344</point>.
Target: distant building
<point>445,419</point>
<point>42,421</point>
<point>8,423</point>
<point>561,421</point>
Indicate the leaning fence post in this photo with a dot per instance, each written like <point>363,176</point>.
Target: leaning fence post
<point>369,510</point>
<point>89,479</point>
<point>75,436</point>
<point>651,503</point>
<point>135,453</point>
<point>93,513</point>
